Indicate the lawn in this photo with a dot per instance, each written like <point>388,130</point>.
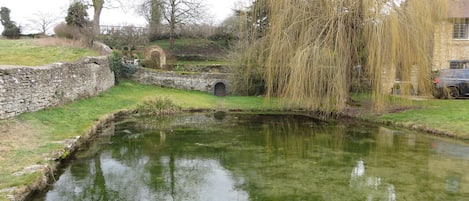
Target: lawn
<point>438,116</point>
<point>128,95</point>
<point>443,116</point>
<point>37,52</point>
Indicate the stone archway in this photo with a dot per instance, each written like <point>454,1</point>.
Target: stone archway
<point>220,89</point>
<point>155,55</point>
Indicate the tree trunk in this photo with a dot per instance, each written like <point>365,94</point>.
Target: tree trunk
<point>171,38</point>
<point>98,7</point>
<point>155,18</point>
<point>172,24</point>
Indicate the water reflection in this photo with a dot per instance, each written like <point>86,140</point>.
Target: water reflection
<point>371,185</point>
<point>110,179</point>
<point>450,164</point>
<point>105,179</point>
<point>259,157</point>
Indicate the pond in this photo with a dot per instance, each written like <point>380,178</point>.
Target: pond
<point>237,157</point>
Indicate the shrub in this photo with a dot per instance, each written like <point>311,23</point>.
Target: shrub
<point>127,70</point>
<point>11,32</point>
<point>157,106</point>
<point>228,38</point>
<point>124,38</point>
<point>63,30</point>
<point>115,63</point>
<point>120,69</point>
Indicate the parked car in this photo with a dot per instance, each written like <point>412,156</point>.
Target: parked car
<point>451,83</point>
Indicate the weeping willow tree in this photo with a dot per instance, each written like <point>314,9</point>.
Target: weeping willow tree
<point>307,50</point>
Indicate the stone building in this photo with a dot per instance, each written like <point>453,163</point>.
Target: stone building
<point>451,41</point>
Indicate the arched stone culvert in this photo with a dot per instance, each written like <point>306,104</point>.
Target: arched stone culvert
<point>219,88</point>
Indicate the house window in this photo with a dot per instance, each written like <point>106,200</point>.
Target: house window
<point>460,28</point>
<point>458,64</point>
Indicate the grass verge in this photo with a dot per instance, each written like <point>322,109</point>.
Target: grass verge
<point>37,52</point>
<point>445,117</point>
<point>30,138</point>
<point>437,116</point>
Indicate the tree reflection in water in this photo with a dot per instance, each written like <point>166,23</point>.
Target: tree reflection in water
<point>109,179</point>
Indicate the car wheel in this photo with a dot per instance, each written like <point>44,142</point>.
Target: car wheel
<point>438,96</point>
<point>438,93</point>
<point>453,92</point>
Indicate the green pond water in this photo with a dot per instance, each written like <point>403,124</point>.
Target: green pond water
<point>236,157</point>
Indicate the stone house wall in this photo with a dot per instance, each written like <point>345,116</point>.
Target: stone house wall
<point>29,89</point>
<point>446,48</point>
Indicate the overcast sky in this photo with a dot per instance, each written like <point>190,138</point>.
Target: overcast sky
<point>23,10</point>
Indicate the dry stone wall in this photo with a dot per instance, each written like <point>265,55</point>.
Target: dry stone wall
<point>28,89</point>
<point>191,81</point>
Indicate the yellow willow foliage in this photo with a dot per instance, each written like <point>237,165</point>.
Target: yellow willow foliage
<point>311,47</point>
<point>401,40</point>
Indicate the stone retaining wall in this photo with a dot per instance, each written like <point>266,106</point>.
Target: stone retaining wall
<point>28,89</point>
<point>191,81</point>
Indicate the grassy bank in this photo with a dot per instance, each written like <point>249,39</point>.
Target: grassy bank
<point>435,116</point>
<point>39,52</point>
<point>31,138</point>
<point>445,117</point>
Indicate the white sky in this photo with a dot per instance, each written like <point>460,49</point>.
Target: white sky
<point>23,10</point>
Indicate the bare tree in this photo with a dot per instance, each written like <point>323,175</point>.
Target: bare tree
<point>178,12</point>
<point>98,6</point>
<point>42,21</point>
